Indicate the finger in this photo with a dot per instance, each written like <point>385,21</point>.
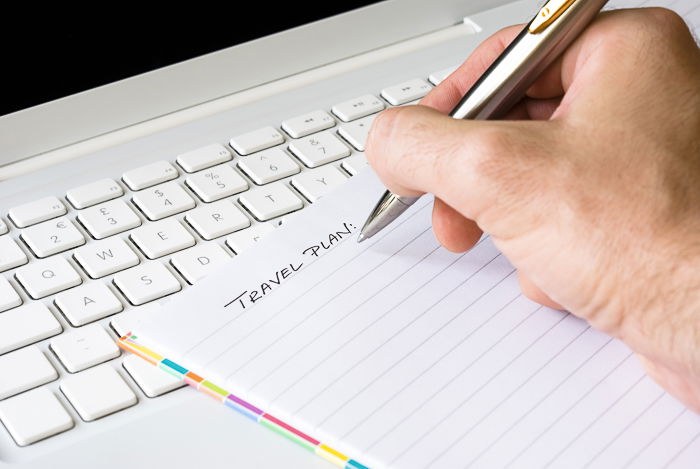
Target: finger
<point>452,229</point>
<point>533,292</point>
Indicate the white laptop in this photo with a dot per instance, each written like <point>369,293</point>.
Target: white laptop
<point>122,196</point>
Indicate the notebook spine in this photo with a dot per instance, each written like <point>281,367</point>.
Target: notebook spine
<point>130,343</point>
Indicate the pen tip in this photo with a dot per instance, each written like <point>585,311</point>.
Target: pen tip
<point>361,238</point>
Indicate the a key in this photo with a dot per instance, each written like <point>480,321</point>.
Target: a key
<point>8,296</point>
<point>26,325</point>
<point>108,219</point>
<point>241,240</point>
<point>359,107</point>
<point>257,140</point>
<point>51,237</point>
<point>36,212</point>
<point>24,369</point>
<point>149,175</point>
<point>437,77</point>
<point>84,347</point>
<point>319,149</point>
<point>146,282</point>
<point>196,262</point>
<point>152,380</point>
<point>3,227</point>
<point>268,166</point>
<point>355,163</point>
<point>271,201</point>
<point>163,200</point>
<point>316,183</point>
<point>97,392</point>
<point>216,183</point>
<point>308,124</point>
<point>11,255</point>
<point>355,133</point>
<point>204,157</point>
<point>105,257</point>
<point>87,303</point>
<point>33,416</point>
<point>47,276</point>
<point>217,219</point>
<point>94,193</point>
<point>406,91</point>
<point>162,238</point>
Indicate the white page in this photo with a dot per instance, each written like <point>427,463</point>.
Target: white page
<point>401,354</point>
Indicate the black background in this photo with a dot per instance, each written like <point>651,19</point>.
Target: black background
<point>48,55</point>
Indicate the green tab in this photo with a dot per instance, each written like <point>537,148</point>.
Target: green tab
<point>287,434</point>
<point>214,388</point>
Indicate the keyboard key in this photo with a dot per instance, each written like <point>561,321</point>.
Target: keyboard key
<point>52,237</point>
<point>162,238</point>
<point>123,323</point>
<point>87,303</point>
<point>355,133</point>
<point>3,227</point>
<point>48,276</point>
<point>108,219</point>
<point>204,157</point>
<point>437,77</point>
<point>11,255</point>
<point>308,124</point>
<point>316,183</point>
<point>355,163</point>
<point>217,219</point>
<point>164,200</point>
<point>98,392</point>
<point>8,296</point>
<point>271,201</point>
<point>406,91</point>
<point>149,175</point>
<point>242,240</point>
<point>319,149</point>
<point>152,380</point>
<point>24,369</point>
<point>146,283</point>
<point>256,140</point>
<point>26,325</point>
<point>94,193</point>
<point>216,183</point>
<point>105,257</point>
<point>33,416</point>
<point>84,347</point>
<point>37,211</point>
<point>359,107</point>
<point>268,166</point>
<point>196,262</point>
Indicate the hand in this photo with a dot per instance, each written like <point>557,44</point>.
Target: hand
<point>591,186</point>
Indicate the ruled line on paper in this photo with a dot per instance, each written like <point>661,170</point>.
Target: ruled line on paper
<point>656,437</point>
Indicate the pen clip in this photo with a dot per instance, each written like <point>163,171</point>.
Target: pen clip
<point>548,13</point>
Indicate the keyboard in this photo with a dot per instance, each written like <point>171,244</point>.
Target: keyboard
<point>77,267</point>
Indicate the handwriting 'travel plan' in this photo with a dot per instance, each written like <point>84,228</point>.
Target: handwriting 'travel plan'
<point>401,354</point>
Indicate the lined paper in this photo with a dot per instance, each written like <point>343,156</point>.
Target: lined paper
<point>401,354</point>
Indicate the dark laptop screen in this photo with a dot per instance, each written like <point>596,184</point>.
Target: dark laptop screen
<point>46,58</point>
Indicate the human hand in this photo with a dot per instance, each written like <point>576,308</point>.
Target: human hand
<point>591,187</point>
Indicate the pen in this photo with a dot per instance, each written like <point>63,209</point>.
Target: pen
<point>505,82</point>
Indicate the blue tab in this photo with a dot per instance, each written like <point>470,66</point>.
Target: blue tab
<point>352,464</point>
<point>174,366</point>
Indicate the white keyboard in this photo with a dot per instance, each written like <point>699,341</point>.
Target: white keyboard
<point>92,255</point>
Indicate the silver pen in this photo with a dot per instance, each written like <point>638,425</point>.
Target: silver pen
<point>506,81</point>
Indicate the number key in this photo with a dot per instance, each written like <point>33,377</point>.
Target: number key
<point>108,219</point>
<point>268,166</point>
<point>52,237</point>
<point>216,183</point>
<point>163,200</point>
<point>319,149</point>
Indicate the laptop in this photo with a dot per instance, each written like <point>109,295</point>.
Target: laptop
<point>119,197</point>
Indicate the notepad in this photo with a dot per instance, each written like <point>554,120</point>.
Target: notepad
<point>398,353</point>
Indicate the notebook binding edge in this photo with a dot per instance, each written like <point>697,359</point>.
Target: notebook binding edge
<point>129,342</point>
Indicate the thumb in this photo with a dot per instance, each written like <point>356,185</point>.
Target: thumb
<point>471,165</point>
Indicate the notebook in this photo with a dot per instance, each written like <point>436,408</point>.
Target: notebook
<point>398,353</point>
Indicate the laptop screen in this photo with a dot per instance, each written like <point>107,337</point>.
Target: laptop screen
<point>44,62</point>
